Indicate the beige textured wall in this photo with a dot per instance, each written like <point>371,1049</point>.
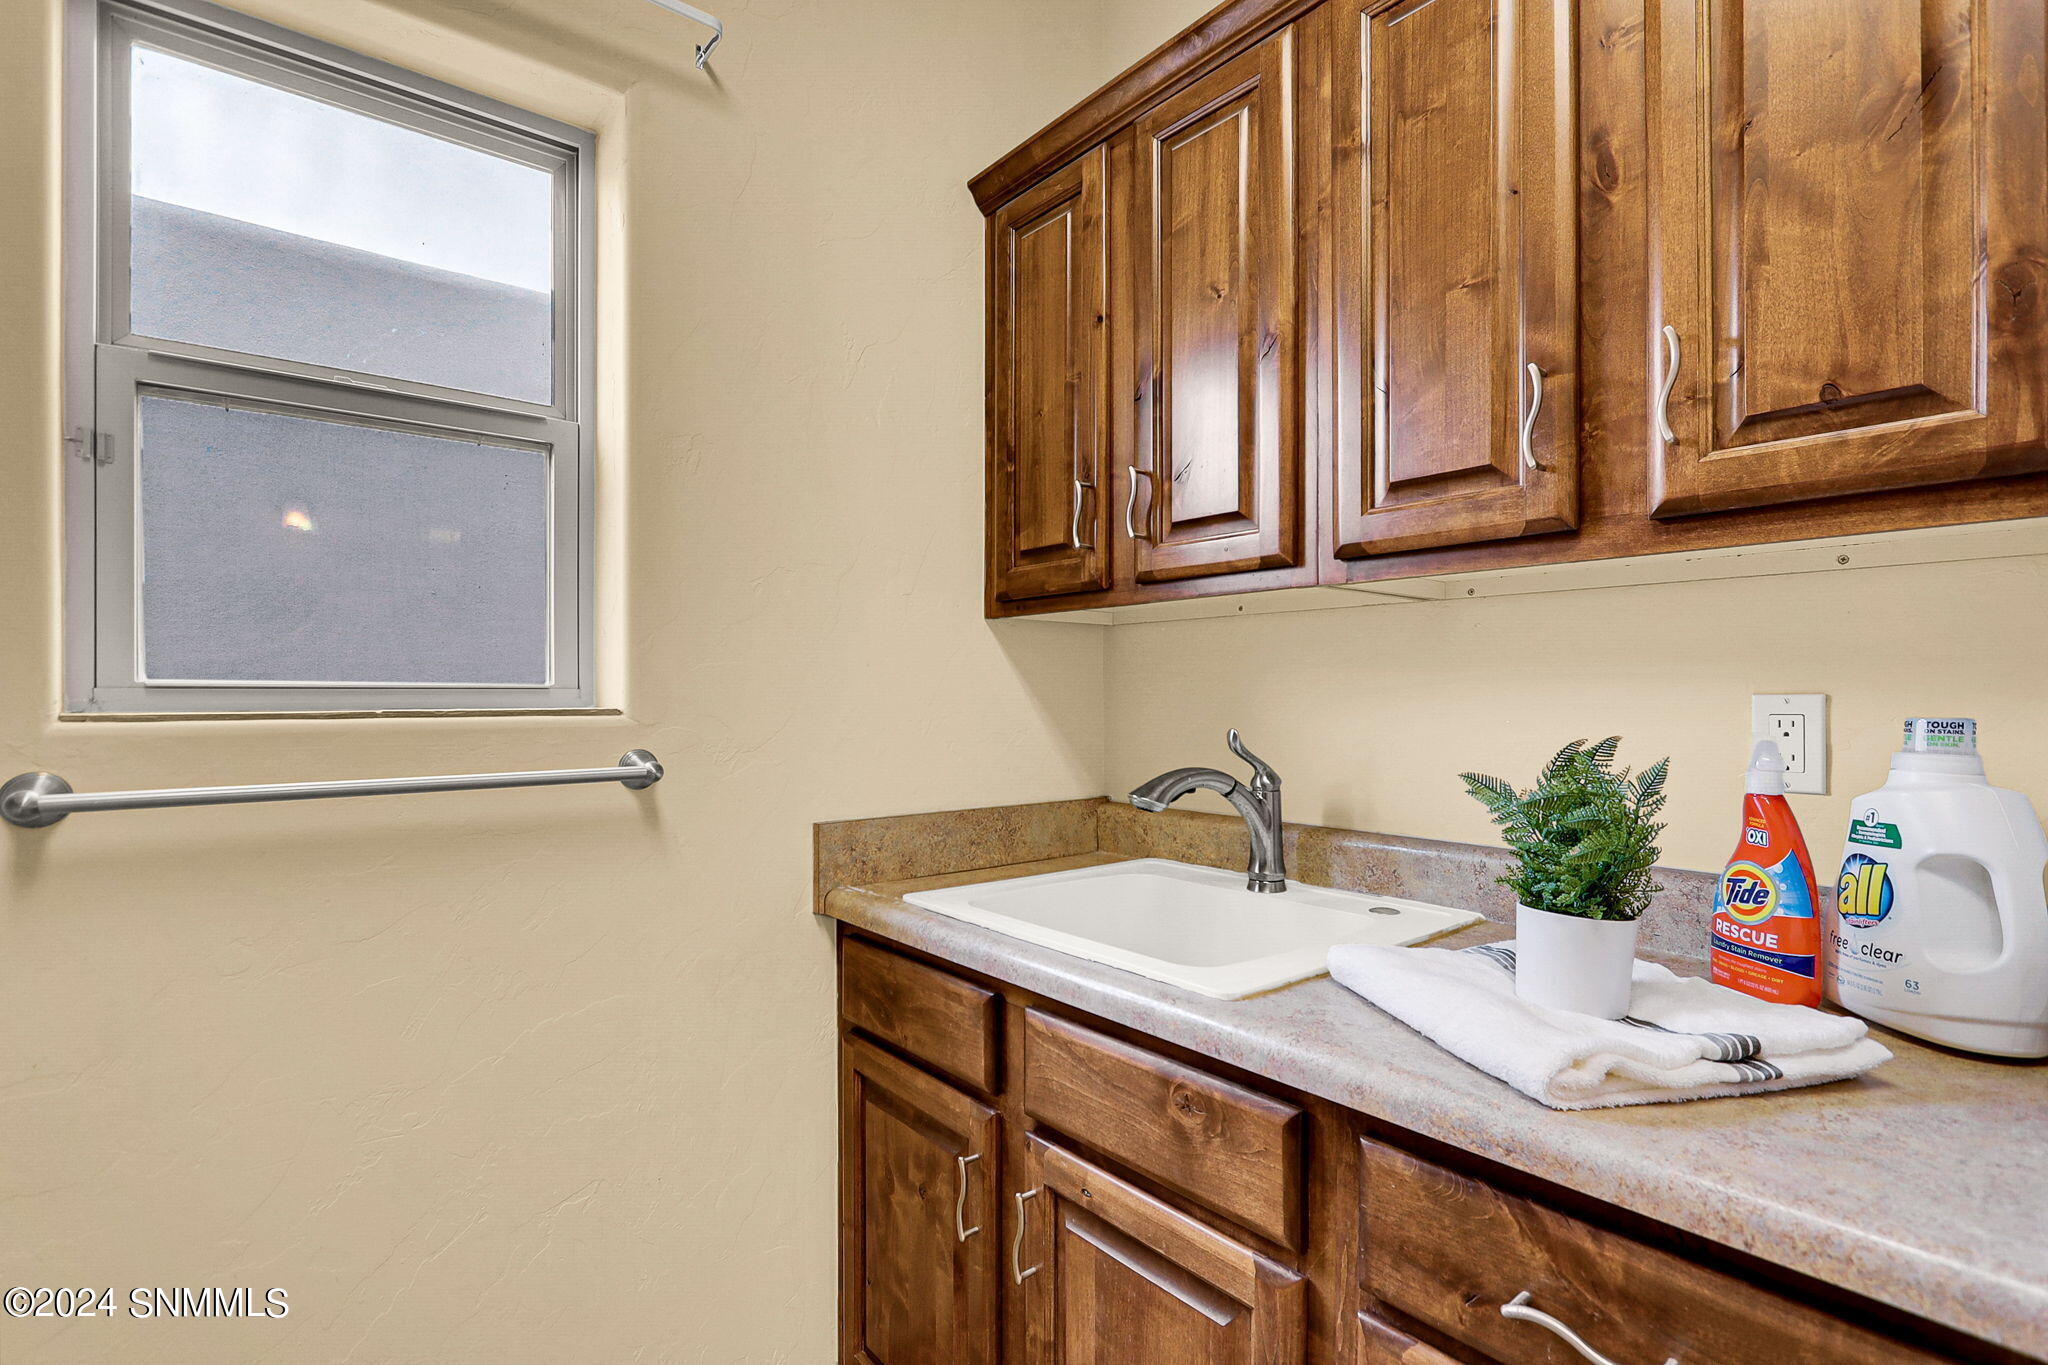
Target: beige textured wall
<point>548,1075</point>
<point>1126,30</point>
<point>1370,713</point>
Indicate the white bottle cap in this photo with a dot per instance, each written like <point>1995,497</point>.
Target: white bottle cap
<point>1935,736</point>
<point>1766,769</point>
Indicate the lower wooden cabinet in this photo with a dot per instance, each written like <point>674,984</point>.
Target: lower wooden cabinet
<point>1219,1145</point>
<point>1110,1275</point>
<point>1095,1198</point>
<point>1510,1277</point>
<point>917,1243</point>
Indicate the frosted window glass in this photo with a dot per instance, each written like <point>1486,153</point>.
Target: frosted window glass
<point>267,222</point>
<point>291,549</point>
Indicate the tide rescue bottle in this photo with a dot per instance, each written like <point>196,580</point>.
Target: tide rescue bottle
<point>1939,925</point>
<point>1766,936</point>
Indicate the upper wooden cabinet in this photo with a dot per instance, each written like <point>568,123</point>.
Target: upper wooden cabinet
<point>1456,261</point>
<point>1218,462</point>
<point>1847,227</point>
<point>1048,408</point>
<point>1342,292</point>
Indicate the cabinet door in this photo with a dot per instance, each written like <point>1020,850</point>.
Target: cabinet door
<point>917,1184</point>
<point>1109,1275</point>
<point>1048,407</point>
<point>1218,469</point>
<point>1847,229</point>
<point>1457,329</point>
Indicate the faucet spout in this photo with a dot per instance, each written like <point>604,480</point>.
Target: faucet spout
<point>1258,803</point>
<point>1167,788</point>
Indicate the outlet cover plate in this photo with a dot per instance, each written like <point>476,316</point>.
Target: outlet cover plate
<point>1799,722</point>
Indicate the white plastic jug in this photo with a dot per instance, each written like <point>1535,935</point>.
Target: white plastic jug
<point>1939,925</point>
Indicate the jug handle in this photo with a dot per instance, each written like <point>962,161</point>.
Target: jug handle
<point>2022,893</point>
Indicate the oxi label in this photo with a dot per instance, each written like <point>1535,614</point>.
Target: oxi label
<point>1766,938</point>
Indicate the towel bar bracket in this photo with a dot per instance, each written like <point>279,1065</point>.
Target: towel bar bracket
<point>34,786</point>
<point>640,758</point>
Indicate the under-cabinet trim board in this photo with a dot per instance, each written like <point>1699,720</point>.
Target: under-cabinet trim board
<point>1836,554</point>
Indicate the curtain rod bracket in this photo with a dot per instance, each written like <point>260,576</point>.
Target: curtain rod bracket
<point>688,11</point>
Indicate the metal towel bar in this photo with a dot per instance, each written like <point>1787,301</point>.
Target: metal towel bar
<point>34,800</point>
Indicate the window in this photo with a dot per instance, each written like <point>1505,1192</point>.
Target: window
<point>328,389</point>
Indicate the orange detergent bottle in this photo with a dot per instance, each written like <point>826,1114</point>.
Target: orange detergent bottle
<point>1766,933</point>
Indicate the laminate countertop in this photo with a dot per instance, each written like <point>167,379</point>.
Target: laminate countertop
<point>1923,1185</point>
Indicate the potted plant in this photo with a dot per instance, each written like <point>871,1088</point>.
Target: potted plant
<point>1584,839</point>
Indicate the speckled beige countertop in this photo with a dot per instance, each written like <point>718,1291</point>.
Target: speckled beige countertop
<point>1924,1185</point>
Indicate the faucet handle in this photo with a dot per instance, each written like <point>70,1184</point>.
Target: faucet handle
<point>1263,776</point>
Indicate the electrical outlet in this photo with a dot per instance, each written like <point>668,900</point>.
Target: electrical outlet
<point>1798,721</point>
<point>1789,730</point>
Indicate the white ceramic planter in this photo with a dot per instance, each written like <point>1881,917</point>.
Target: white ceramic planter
<point>1566,962</point>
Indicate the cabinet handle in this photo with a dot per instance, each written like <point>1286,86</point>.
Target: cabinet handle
<point>1520,1311</point>
<point>960,1201</point>
<point>1672,355</point>
<point>1074,533</point>
<point>1017,1270</point>
<point>1131,503</point>
<point>1535,405</point>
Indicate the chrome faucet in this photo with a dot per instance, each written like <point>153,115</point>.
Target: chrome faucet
<point>1259,804</point>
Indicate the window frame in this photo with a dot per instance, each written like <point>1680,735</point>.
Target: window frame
<point>108,370</point>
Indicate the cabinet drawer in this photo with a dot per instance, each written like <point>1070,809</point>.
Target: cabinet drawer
<point>1221,1145</point>
<point>1450,1251</point>
<point>933,1016</point>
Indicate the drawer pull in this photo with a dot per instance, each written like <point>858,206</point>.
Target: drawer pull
<point>1017,1270</point>
<point>1672,355</point>
<point>1520,1311</point>
<point>960,1201</point>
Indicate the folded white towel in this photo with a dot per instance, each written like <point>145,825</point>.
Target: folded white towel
<point>1684,1038</point>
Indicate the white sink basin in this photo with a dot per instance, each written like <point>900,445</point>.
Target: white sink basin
<point>1193,927</point>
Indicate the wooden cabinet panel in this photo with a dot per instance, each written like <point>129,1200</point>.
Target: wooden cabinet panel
<point>1450,1251</point>
<point>1212,225</point>
<point>917,1168</point>
<point>1456,267</point>
<point>932,1015</point>
<point>1113,1276</point>
<point>1846,236</point>
<point>1381,1343</point>
<point>1232,1149</point>
<point>1049,405</point>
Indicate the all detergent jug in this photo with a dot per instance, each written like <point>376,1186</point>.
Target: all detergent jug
<point>1939,925</point>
